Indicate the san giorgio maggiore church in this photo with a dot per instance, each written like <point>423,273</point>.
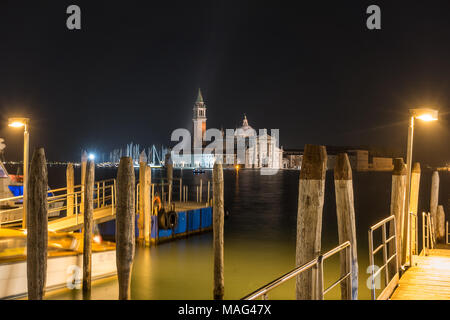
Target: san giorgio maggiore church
<point>261,151</point>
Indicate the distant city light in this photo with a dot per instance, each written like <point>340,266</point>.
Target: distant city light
<point>91,156</point>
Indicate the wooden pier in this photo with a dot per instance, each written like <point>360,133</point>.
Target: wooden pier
<point>428,279</point>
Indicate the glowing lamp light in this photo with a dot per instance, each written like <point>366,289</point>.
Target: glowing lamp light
<point>91,156</point>
<point>17,122</point>
<point>424,114</point>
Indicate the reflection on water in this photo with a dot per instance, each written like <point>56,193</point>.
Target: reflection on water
<point>259,239</point>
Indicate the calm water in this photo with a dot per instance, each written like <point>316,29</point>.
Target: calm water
<point>259,237</point>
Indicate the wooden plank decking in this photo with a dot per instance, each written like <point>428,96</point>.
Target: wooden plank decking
<point>429,280</point>
<point>67,224</point>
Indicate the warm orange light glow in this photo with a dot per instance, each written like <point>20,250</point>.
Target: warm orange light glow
<point>426,117</point>
<point>237,167</point>
<point>425,114</point>
<point>17,122</point>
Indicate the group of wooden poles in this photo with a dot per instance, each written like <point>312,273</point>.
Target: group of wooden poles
<point>37,224</point>
<point>310,206</point>
<point>309,219</point>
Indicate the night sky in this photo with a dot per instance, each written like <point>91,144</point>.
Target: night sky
<point>312,70</point>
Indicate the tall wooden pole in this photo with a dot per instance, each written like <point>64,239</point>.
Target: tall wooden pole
<point>345,209</point>
<point>398,202</point>
<point>147,207</point>
<point>88,225</point>
<point>37,226</point>
<point>142,169</point>
<point>125,238</point>
<point>84,158</point>
<point>26,150</point>
<point>434,199</point>
<point>440,224</point>
<point>309,217</point>
<point>413,207</point>
<point>70,180</point>
<point>218,226</point>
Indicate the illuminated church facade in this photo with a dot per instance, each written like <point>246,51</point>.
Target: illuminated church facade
<point>257,151</point>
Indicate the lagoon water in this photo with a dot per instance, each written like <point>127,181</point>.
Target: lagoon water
<point>260,236</point>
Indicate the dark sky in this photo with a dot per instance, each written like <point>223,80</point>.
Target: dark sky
<point>313,70</point>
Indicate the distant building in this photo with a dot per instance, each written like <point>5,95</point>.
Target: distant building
<point>359,159</point>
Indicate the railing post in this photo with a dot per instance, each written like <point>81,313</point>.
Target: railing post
<point>181,183</point>
<point>350,271</point>
<point>76,208</point>
<point>318,268</point>
<point>209,186</point>
<point>372,265</point>
<point>386,268</point>
<point>201,189</point>
<point>98,194</point>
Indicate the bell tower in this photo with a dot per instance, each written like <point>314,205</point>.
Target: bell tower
<point>199,120</point>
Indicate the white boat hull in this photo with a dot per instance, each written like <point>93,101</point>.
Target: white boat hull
<point>65,271</point>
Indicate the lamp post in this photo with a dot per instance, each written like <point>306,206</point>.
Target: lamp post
<point>424,114</point>
<point>18,123</point>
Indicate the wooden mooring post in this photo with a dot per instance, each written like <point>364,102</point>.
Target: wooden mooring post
<point>84,158</point>
<point>398,203</point>
<point>309,217</point>
<point>70,181</point>
<point>37,226</point>
<point>345,209</point>
<point>88,226</point>
<point>413,214</point>
<point>125,239</point>
<point>218,230</point>
<point>440,225</point>
<point>434,198</point>
<point>142,192</point>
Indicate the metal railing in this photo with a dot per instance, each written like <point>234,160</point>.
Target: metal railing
<point>428,240</point>
<point>317,264</point>
<point>183,191</point>
<point>60,200</point>
<point>446,233</point>
<point>386,260</point>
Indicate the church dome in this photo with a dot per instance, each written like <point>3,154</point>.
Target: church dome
<point>245,130</point>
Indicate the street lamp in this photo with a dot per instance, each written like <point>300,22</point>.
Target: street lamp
<point>18,123</point>
<point>424,114</point>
